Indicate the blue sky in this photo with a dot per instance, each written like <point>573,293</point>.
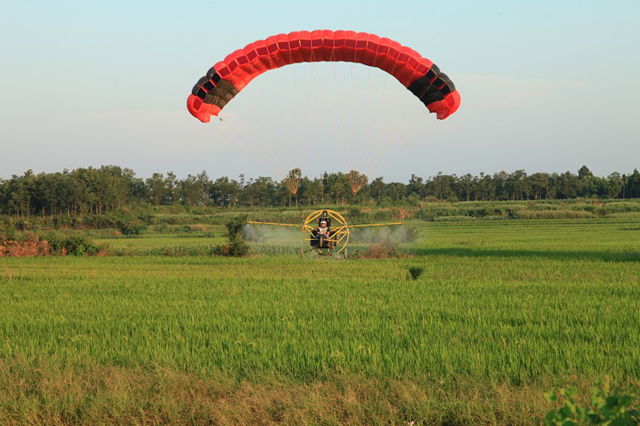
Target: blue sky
<point>545,85</point>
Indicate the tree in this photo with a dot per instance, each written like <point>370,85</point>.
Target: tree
<point>157,190</point>
<point>566,185</point>
<point>194,190</point>
<point>377,189</point>
<point>539,185</point>
<point>441,186</point>
<point>100,190</point>
<point>260,192</point>
<point>518,186</point>
<point>633,185</point>
<point>500,185</point>
<point>486,187</point>
<point>584,172</point>
<point>225,192</point>
<point>310,190</point>
<point>466,183</point>
<point>339,190</point>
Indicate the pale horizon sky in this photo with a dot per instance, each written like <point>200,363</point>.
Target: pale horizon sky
<point>546,86</point>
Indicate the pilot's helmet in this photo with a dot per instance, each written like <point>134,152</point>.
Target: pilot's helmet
<point>323,222</point>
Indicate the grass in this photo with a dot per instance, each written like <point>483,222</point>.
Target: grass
<point>477,317</point>
<point>52,394</point>
<point>154,244</point>
<point>500,311</point>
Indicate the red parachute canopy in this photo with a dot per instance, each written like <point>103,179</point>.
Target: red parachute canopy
<point>228,77</point>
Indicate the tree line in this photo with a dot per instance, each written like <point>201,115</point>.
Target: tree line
<point>99,190</point>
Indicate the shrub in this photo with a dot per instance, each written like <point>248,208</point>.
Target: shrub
<point>28,248</point>
<point>50,244</point>
<point>8,233</point>
<point>71,245</point>
<point>131,228</point>
<point>235,225</point>
<point>415,272</point>
<point>605,408</point>
<point>236,246</point>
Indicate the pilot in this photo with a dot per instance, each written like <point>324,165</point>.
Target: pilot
<point>323,229</point>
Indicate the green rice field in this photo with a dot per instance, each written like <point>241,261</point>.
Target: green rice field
<point>499,312</point>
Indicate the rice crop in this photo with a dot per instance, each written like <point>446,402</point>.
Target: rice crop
<point>517,303</point>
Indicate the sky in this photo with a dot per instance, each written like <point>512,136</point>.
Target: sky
<point>545,86</point>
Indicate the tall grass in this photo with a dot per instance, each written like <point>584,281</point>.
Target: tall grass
<point>482,318</point>
<point>497,305</point>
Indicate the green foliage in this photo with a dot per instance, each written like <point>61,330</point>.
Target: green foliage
<point>74,245</point>
<point>97,191</point>
<point>415,272</point>
<point>131,227</point>
<point>604,408</point>
<point>236,247</point>
<point>234,227</point>
<point>8,234</point>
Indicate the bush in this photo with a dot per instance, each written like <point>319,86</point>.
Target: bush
<point>236,246</point>
<point>415,272</point>
<point>234,249</point>
<point>234,226</point>
<point>8,234</point>
<point>131,228</point>
<point>605,408</point>
<point>71,245</point>
<point>126,223</point>
<point>26,248</point>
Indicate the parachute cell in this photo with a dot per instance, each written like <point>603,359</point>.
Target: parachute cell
<point>228,77</point>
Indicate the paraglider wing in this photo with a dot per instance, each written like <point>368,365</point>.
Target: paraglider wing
<point>229,76</point>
